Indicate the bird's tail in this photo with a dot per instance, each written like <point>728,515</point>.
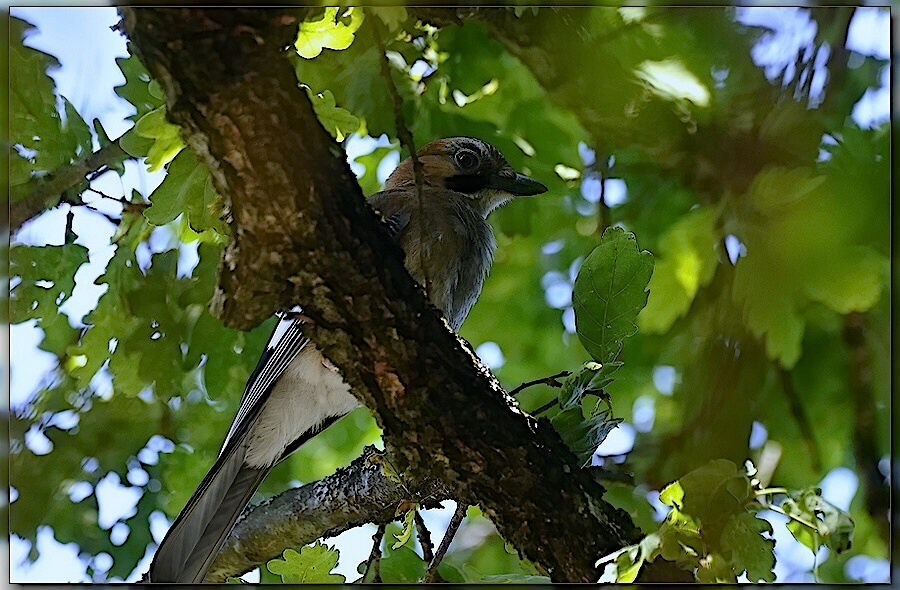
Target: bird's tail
<point>194,539</point>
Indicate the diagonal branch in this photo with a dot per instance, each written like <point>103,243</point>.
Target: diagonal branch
<point>303,233</point>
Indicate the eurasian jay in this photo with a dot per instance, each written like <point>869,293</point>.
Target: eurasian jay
<point>295,392</point>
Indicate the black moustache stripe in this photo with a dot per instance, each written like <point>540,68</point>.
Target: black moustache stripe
<point>468,184</point>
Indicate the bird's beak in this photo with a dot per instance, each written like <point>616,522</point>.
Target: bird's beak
<point>519,185</point>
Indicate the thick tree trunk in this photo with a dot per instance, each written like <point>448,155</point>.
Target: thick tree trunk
<point>301,233</point>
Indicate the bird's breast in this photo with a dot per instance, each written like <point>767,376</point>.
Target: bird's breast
<point>451,256</point>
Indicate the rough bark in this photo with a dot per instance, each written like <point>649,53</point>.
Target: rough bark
<point>302,233</point>
<point>356,495</point>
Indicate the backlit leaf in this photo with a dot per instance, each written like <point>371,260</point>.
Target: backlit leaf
<point>610,291</point>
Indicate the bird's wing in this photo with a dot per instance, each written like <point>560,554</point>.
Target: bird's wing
<point>286,341</point>
<point>194,539</point>
<point>390,204</point>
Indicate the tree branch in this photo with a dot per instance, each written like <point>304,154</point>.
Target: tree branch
<point>353,496</point>
<point>44,193</point>
<point>303,233</point>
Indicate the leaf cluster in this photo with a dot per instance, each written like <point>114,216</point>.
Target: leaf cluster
<point>765,206</point>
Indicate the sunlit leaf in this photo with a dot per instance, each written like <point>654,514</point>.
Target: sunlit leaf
<point>311,565</point>
<point>329,31</point>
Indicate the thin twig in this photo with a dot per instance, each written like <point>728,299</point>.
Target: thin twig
<point>406,140</point>
<point>372,575</point>
<point>110,218</point>
<point>551,381</point>
<point>122,200</point>
<point>460,513</point>
<point>545,407</point>
<point>424,536</point>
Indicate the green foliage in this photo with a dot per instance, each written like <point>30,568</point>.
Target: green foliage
<point>328,31</point>
<point>369,179</point>
<point>816,522</point>
<point>337,121</point>
<point>311,565</point>
<point>166,141</point>
<point>710,530</point>
<point>136,90</point>
<point>47,278</point>
<point>41,138</point>
<point>187,190</point>
<point>801,250</point>
<point>404,536</point>
<point>713,528</point>
<point>758,333</point>
<point>585,414</point>
<point>515,579</point>
<point>400,564</point>
<point>689,263</point>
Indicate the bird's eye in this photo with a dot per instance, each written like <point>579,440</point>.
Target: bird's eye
<point>466,159</point>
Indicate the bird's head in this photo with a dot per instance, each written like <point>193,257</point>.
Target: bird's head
<point>470,167</point>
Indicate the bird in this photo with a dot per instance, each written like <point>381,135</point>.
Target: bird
<point>440,221</point>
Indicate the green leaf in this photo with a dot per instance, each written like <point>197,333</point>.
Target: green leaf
<point>679,540</point>
<point>117,164</point>
<point>391,16</point>
<point>337,121</point>
<point>166,138</point>
<point>40,137</point>
<point>354,77</point>
<point>583,435</point>
<point>406,533</point>
<point>623,566</point>
<point>715,491</point>
<point>78,129</point>
<point>329,31</point>
<point>714,569</point>
<point>186,189</point>
<point>402,565</point>
<point>816,522</point>
<point>136,88</point>
<point>369,180</point>
<point>311,565</point>
<point>746,548</point>
<point>673,495</point>
<point>47,280</point>
<point>109,320</point>
<point>855,284</point>
<point>136,145</point>
<point>610,291</point>
<point>589,381</point>
<point>32,107</point>
<point>803,246</point>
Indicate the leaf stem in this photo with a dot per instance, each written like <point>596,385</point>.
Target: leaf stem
<point>552,381</point>
<point>802,521</point>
